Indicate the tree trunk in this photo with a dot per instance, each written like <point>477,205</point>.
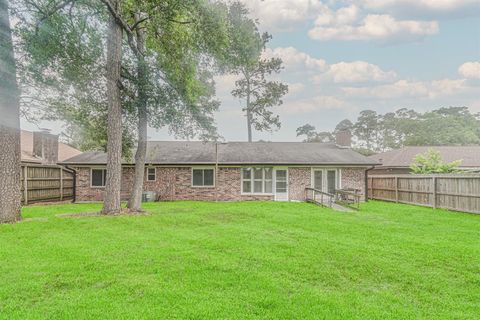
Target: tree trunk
<point>135,202</point>
<point>249,114</point>
<point>111,202</point>
<point>10,196</point>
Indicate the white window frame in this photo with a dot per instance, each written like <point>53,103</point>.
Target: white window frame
<point>91,177</point>
<point>252,181</point>
<point>154,174</point>
<point>203,168</point>
<point>338,177</point>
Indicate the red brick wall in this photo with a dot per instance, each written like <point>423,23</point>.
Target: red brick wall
<point>174,183</point>
<point>354,178</point>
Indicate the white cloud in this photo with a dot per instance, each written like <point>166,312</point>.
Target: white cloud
<point>421,6</point>
<point>404,89</point>
<point>355,72</point>
<point>348,24</point>
<point>296,61</point>
<point>470,70</point>
<point>313,104</point>
<point>283,14</point>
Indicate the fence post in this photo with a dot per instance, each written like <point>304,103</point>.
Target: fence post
<point>25,186</point>
<point>396,189</point>
<point>434,192</point>
<point>61,184</point>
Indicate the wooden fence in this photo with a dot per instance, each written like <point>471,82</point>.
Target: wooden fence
<point>46,183</point>
<point>455,192</point>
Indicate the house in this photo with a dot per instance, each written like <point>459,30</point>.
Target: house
<point>43,148</point>
<point>229,171</point>
<point>399,161</point>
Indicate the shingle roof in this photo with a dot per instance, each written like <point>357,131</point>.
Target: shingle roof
<point>275,153</point>
<point>470,155</point>
<point>26,142</point>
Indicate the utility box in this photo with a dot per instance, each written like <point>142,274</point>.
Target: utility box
<point>149,196</point>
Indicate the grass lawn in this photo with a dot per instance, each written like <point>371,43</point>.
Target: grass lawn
<point>246,260</point>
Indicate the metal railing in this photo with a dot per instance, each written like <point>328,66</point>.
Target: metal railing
<point>319,197</point>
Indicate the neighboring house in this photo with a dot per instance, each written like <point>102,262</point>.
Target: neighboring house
<point>229,171</point>
<point>399,161</point>
<point>43,148</point>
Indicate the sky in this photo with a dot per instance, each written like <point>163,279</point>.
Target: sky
<point>344,56</point>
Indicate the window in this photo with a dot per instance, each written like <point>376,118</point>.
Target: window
<point>257,180</point>
<point>202,177</point>
<point>98,177</point>
<point>331,181</point>
<point>151,174</point>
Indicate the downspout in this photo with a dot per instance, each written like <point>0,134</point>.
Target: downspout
<point>366,182</point>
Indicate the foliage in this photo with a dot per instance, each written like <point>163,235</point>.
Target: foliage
<point>245,260</point>
<point>245,57</point>
<point>431,162</point>
<point>313,136</point>
<point>64,60</point>
<point>374,132</point>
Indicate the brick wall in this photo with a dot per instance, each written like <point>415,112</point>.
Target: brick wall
<point>298,180</point>
<point>174,183</point>
<point>354,178</point>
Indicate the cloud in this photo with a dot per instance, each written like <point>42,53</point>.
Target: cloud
<point>470,70</point>
<point>348,24</point>
<point>295,60</point>
<point>355,72</point>
<point>424,7</point>
<point>313,104</point>
<point>283,15</point>
<point>404,89</point>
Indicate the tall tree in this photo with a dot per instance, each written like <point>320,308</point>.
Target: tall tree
<point>259,94</point>
<point>366,129</point>
<point>10,197</point>
<point>111,202</point>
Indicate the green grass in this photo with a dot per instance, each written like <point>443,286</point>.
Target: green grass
<point>244,260</point>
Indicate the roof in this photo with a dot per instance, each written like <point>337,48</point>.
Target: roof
<point>470,156</point>
<point>26,141</point>
<point>272,153</point>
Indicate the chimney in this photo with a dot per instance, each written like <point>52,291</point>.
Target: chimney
<point>45,147</point>
<point>343,138</point>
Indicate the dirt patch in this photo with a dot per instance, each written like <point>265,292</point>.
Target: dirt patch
<point>124,212</point>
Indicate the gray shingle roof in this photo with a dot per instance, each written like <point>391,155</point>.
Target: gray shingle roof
<point>470,155</point>
<point>274,153</point>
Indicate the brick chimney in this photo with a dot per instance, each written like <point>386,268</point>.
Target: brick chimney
<point>343,138</point>
<point>45,147</point>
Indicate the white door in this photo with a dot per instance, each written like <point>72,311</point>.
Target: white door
<point>281,185</point>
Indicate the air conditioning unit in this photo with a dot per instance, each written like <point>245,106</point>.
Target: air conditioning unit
<point>149,196</point>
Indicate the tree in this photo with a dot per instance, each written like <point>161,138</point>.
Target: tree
<point>366,130</point>
<point>431,162</point>
<point>344,125</point>
<point>312,136</point>
<point>112,198</point>
<point>259,94</point>
<point>165,70</point>
<point>308,131</point>
<point>10,197</point>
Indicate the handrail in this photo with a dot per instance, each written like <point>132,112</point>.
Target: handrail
<point>344,196</point>
<point>314,199</point>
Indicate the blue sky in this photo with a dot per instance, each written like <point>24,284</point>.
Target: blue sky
<point>344,56</point>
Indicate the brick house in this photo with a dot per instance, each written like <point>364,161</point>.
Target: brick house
<point>229,171</point>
